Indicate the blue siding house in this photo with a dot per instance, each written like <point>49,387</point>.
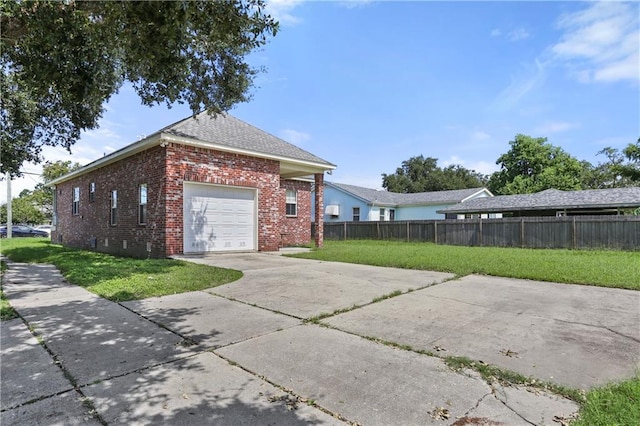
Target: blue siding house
<point>345,203</point>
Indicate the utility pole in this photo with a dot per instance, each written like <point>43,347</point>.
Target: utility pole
<point>9,212</point>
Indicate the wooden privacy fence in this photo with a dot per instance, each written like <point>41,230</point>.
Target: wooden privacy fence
<point>574,232</point>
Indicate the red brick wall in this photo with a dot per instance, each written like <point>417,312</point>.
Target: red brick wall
<point>296,230</point>
<point>164,170</point>
<point>193,164</point>
<point>93,220</point>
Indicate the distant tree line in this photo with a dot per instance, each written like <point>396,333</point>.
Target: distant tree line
<point>36,206</point>
<point>531,165</point>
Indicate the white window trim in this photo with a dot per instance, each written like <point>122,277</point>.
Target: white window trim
<point>295,202</point>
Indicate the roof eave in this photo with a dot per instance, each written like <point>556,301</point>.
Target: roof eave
<point>313,166</point>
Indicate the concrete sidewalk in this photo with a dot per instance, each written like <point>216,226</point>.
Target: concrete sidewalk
<point>199,358</point>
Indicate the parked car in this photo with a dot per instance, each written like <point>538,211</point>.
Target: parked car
<point>45,228</point>
<point>23,231</point>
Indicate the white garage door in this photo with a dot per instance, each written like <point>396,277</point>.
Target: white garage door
<point>219,218</point>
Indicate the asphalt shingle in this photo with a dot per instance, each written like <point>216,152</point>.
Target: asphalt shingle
<point>226,130</point>
<point>552,199</point>
<point>399,199</point>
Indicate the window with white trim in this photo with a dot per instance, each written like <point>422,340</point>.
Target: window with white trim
<point>292,202</point>
<point>75,206</point>
<point>382,215</point>
<point>92,192</point>
<point>356,214</point>
<point>113,215</point>
<point>142,205</point>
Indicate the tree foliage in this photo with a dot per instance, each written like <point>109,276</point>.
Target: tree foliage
<point>533,165</point>
<point>420,174</point>
<point>619,170</point>
<point>61,61</point>
<point>36,206</point>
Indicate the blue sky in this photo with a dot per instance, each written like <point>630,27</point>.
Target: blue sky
<point>367,85</point>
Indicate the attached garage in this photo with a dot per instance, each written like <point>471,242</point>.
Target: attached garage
<point>219,218</point>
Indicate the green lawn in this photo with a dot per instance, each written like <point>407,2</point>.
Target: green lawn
<point>615,404</point>
<point>118,278</point>
<point>599,268</point>
<point>6,311</point>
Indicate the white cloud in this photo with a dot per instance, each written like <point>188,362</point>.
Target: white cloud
<point>556,127</point>
<point>294,136</point>
<point>601,43</point>
<point>479,135</point>
<point>530,77</point>
<point>517,34</point>
<point>351,4</point>
<point>281,10</point>
<point>483,167</point>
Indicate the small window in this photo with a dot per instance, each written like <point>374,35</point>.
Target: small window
<point>292,202</point>
<point>392,214</point>
<point>381,214</point>
<point>356,214</point>
<point>113,216</point>
<point>142,209</point>
<point>92,192</point>
<point>75,206</point>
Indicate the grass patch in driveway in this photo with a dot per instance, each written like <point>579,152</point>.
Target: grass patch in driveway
<point>119,278</point>
<point>617,269</point>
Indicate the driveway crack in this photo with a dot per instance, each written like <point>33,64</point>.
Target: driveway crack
<point>492,309</point>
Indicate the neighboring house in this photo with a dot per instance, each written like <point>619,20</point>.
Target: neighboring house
<point>345,203</point>
<point>552,202</point>
<point>203,184</point>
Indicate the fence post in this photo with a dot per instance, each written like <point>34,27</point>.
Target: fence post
<point>480,236</point>
<point>378,229</point>
<point>408,239</point>
<point>522,232</point>
<point>573,234</point>
<point>345,231</point>
<point>435,232</point>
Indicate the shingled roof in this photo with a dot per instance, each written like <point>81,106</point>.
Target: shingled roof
<point>222,132</point>
<point>398,199</point>
<point>226,130</point>
<point>552,199</point>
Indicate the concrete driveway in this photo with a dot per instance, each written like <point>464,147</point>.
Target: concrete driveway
<point>243,354</point>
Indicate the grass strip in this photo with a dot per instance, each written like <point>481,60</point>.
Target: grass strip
<point>119,278</point>
<point>617,269</point>
<point>6,311</point>
<point>491,373</point>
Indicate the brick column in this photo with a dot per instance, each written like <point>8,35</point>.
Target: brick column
<point>319,209</point>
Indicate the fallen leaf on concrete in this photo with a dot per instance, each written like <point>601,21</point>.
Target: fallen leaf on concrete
<point>509,353</point>
<point>565,421</point>
<point>439,413</point>
<point>439,348</point>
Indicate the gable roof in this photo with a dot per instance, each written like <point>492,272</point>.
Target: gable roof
<point>552,199</point>
<point>228,131</point>
<point>373,196</point>
<point>221,132</point>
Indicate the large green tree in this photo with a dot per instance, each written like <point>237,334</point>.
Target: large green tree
<point>62,60</point>
<point>532,165</point>
<point>420,174</point>
<point>621,168</point>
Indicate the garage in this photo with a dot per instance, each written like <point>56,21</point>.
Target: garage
<point>219,218</point>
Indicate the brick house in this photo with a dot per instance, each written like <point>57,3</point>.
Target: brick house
<point>203,184</point>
